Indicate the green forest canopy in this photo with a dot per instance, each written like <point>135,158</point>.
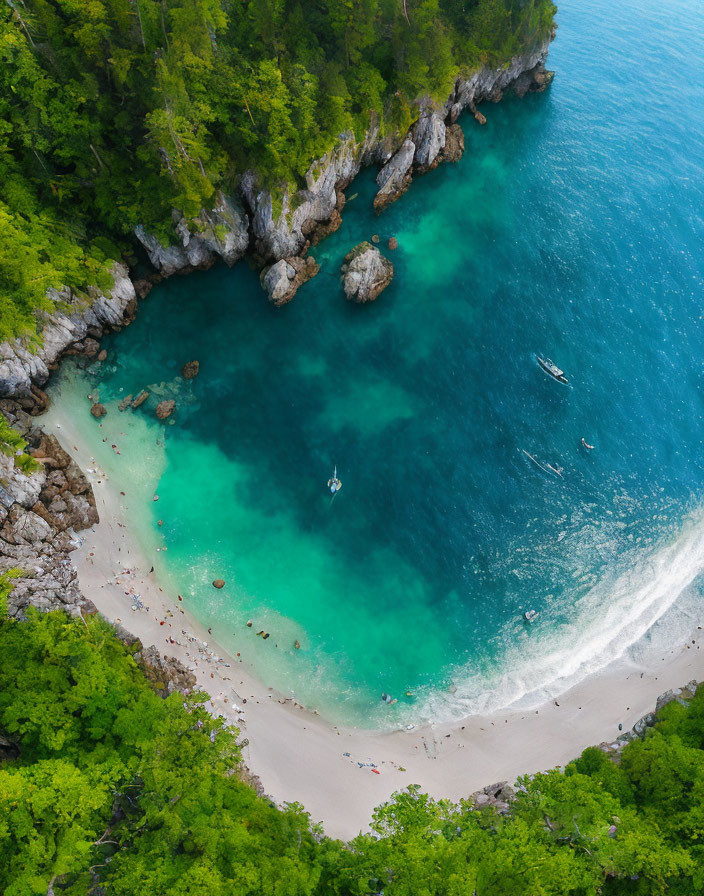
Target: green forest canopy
<point>114,112</point>
<point>105,787</point>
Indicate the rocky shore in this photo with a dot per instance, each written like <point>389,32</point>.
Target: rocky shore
<point>41,513</point>
<point>247,223</point>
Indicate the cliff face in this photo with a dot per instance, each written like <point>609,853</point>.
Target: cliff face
<point>248,223</point>
<point>75,320</point>
<point>251,222</point>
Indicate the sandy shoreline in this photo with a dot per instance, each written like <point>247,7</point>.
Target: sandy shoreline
<point>301,757</point>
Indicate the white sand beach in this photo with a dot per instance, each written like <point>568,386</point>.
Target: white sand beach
<point>341,774</point>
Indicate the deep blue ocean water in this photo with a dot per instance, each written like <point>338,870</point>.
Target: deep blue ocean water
<point>574,227</point>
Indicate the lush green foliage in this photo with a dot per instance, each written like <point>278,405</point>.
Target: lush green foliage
<point>115,786</point>
<point>113,112</point>
<point>13,445</point>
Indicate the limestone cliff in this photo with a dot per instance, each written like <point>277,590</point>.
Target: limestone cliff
<point>284,231</point>
<point>249,222</point>
<point>74,320</point>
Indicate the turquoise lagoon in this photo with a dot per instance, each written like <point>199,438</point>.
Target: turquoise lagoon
<point>573,226</point>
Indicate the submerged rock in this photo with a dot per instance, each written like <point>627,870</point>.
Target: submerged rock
<point>190,370</point>
<point>98,410</point>
<point>165,408</point>
<point>365,273</point>
<point>393,243</point>
<point>283,279</point>
<point>219,583</point>
<point>140,399</point>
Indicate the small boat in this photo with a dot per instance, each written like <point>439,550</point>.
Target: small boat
<point>552,369</point>
<point>334,484</point>
<point>531,615</point>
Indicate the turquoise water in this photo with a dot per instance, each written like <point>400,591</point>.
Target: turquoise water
<point>574,227</point>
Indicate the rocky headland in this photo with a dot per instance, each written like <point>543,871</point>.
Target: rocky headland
<point>275,235</point>
<point>41,512</point>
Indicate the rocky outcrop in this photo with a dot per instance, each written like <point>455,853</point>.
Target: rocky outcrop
<point>166,674</point>
<point>681,695</point>
<point>395,177</point>
<point>165,408</point>
<point>496,796</point>
<point>36,512</point>
<point>365,273</point>
<point>74,320</point>
<point>436,137</point>
<point>190,370</point>
<point>222,232</point>
<point>282,280</point>
<point>283,232</point>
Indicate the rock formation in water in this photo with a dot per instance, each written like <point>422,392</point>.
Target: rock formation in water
<point>286,230</point>
<point>249,222</point>
<point>189,371</point>
<point>282,280</point>
<point>36,510</point>
<point>165,408</point>
<point>365,273</point>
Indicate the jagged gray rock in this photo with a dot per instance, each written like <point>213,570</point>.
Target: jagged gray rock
<point>395,178</point>
<point>285,233</point>
<point>282,280</point>
<point>21,366</point>
<point>222,232</point>
<point>35,513</point>
<point>429,139</point>
<point>365,273</point>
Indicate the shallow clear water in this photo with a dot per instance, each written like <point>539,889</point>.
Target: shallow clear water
<point>573,227</point>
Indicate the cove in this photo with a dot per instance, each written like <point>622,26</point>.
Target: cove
<point>573,226</point>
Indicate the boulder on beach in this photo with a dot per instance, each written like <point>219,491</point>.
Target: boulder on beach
<point>190,370</point>
<point>165,408</point>
<point>365,273</point>
<point>98,410</point>
<point>219,583</point>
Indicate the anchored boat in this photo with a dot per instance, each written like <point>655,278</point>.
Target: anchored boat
<point>552,369</point>
<point>334,484</point>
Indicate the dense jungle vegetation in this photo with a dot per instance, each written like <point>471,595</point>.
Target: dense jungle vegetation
<point>114,112</point>
<point>107,788</point>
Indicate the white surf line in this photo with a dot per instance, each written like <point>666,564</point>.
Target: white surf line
<point>623,614</point>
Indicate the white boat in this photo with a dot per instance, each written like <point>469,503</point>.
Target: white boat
<point>334,484</point>
<point>552,369</point>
